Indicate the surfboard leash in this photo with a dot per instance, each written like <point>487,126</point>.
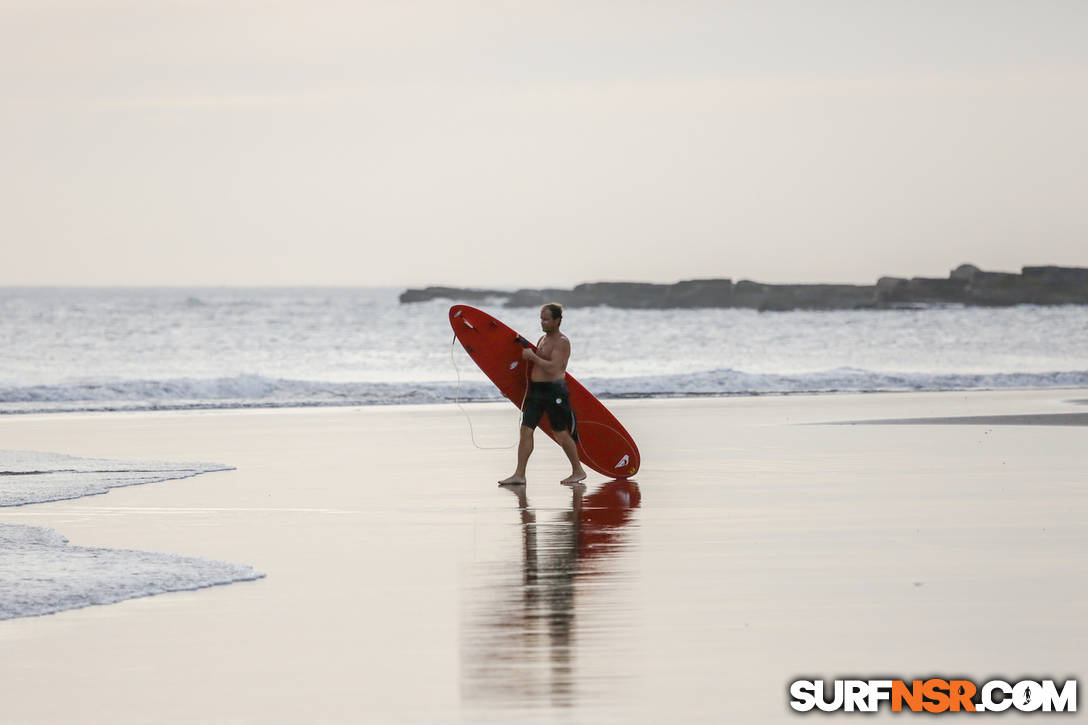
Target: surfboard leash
<point>457,401</point>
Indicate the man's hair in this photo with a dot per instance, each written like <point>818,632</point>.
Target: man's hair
<point>556,309</point>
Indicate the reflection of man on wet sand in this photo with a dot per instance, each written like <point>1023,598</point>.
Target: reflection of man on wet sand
<point>527,624</point>
<point>548,394</point>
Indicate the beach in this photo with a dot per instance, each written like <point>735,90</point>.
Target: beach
<point>279,277</point>
<point>766,539</point>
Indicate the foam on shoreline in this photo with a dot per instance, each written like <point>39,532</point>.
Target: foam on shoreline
<point>28,477</point>
<point>41,574</point>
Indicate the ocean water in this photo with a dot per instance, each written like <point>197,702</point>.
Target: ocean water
<point>41,574</point>
<point>173,348</point>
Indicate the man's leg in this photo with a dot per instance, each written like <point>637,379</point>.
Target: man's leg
<point>525,447</point>
<point>577,473</point>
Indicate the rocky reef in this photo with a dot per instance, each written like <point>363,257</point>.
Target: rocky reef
<point>966,284</point>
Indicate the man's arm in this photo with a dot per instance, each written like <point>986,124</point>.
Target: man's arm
<point>558,361</point>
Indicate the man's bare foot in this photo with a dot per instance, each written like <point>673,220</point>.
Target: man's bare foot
<point>575,477</point>
<point>513,480</point>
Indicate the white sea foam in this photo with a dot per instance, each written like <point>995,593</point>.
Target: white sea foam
<point>41,574</point>
<point>28,477</point>
<point>252,392</point>
<point>735,382</point>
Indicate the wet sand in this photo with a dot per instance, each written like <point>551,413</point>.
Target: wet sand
<point>403,585</point>
<point>1039,419</point>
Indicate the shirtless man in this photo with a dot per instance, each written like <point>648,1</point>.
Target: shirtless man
<point>548,394</point>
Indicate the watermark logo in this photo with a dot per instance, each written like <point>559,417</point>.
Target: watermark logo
<point>934,695</point>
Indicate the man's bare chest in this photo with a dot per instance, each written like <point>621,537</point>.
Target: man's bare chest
<point>545,348</point>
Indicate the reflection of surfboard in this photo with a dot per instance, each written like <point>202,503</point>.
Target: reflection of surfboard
<point>604,445</point>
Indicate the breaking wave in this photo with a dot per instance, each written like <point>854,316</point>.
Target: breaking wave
<point>252,391</point>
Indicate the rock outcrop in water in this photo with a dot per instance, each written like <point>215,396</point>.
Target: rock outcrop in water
<point>967,284</point>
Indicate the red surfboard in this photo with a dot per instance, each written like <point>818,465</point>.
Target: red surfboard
<point>604,445</point>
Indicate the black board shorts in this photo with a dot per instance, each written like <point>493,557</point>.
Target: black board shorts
<point>552,398</point>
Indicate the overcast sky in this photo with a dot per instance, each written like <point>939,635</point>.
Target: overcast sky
<point>538,143</point>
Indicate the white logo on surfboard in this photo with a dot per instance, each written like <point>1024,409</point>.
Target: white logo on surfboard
<point>623,461</point>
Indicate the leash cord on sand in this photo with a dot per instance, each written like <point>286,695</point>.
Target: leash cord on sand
<point>457,400</point>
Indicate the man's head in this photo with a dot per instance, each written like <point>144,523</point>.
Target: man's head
<point>551,315</point>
